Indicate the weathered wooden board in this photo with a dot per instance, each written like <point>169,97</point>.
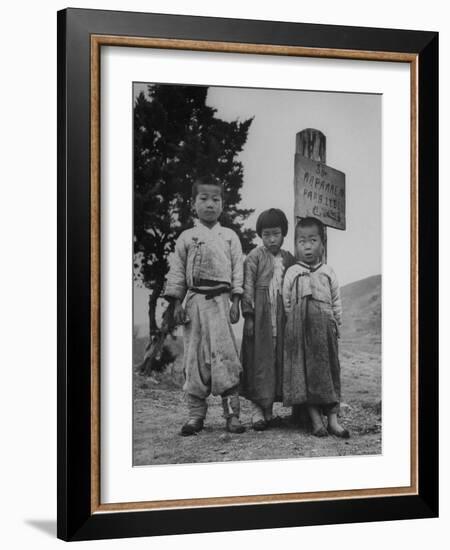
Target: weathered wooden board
<point>319,192</point>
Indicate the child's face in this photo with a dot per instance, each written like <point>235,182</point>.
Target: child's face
<point>272,238</point>
<point>308,244</point>
<point>208,204</point>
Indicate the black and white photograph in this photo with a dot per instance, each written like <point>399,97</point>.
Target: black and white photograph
<point>224,243</point>
<point>257,274</point>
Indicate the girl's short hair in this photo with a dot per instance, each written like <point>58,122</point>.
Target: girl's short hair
<point>311,222</point>
<point>272,218</point>
<point>206,181</point>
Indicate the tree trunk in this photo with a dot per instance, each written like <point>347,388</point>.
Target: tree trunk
<point>152,303</point>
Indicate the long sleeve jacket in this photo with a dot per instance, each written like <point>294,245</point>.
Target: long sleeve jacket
<point>204,254</point>
<point>258,271</point>
<point>320,283</point>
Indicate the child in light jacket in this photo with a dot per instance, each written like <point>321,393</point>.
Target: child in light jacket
<point>206,273</point>
<point>311,296</point>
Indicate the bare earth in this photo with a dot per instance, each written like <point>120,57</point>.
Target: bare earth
<point>160,411</point>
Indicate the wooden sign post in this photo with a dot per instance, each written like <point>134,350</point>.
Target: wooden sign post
<point>319,189</point>
<point>319,193</point>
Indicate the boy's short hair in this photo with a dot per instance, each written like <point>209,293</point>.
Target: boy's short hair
<point>311,222</point>
<point>206,181</point>
<point>273,217</point>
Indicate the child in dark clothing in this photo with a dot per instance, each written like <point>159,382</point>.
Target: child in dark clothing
<point>262,307</point>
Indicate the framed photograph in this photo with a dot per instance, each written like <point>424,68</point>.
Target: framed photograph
<point>247,286</point>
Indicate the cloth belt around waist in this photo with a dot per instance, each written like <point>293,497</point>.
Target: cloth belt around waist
<point>210,293</point>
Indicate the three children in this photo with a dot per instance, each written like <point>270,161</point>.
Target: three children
<point>292,314</point>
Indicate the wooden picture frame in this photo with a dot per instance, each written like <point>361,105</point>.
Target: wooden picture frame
<point>81,35</point>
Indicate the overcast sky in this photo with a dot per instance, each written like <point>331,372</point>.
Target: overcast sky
<point>352,126</point>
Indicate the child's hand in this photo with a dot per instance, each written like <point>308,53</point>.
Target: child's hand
<point>338,329</point>
<point>249,327</point>
<point>179,314</point>
<point>234,312</point>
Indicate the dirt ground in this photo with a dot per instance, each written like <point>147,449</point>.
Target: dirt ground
<point>160,411</point>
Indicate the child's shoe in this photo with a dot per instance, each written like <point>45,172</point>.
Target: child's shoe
<point>343,433</point>
<point>234,425</point>
<point>259,422</point>
<point>268,414</point>
<point>192,426</point>
<point>259,425</point>
<point>334,428</point>
<point>320,432</point>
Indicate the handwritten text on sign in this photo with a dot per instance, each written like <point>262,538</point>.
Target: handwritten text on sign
<point>319,192</point>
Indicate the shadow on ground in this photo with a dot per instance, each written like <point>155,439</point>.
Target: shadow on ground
<point>47,526</point>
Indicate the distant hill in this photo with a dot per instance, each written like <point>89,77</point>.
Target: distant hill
<point>361,303</point>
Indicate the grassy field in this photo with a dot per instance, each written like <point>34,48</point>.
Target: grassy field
<point>160,411</point>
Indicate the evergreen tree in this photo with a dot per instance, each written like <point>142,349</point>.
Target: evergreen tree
<point>178,138</point>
